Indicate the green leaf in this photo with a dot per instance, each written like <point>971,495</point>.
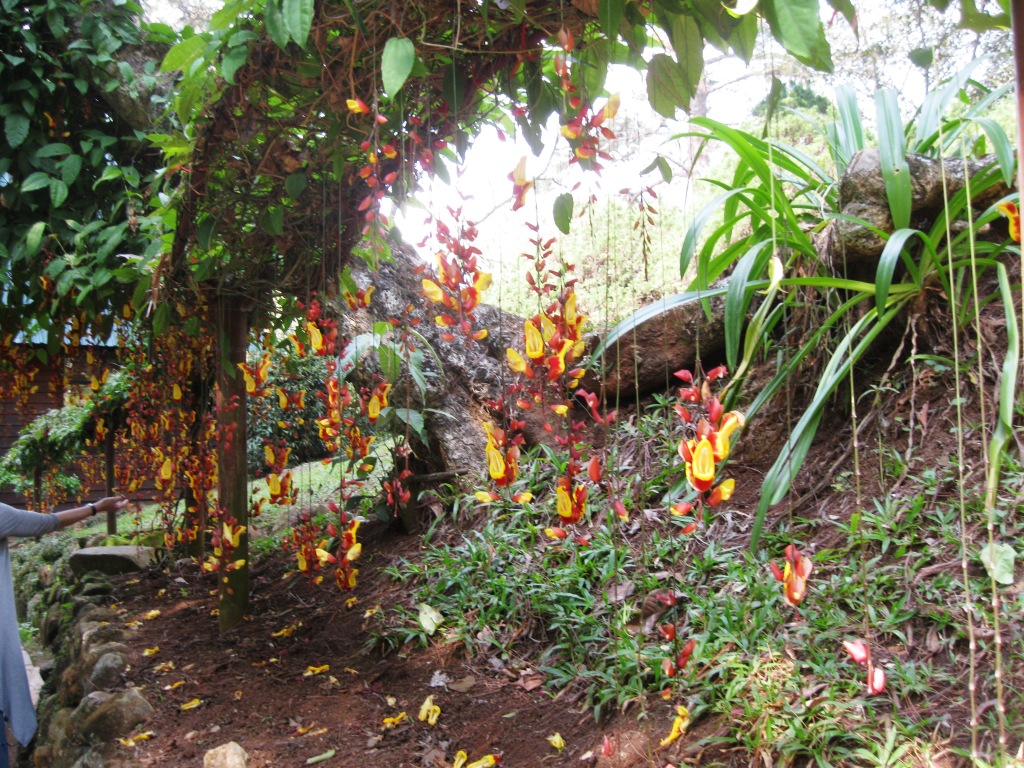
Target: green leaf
<point>274,18</point>
<point>775,94</point>
<point>563,211</point>
<point>998,560</point>
<point>796,24</point>
<point>183,54</point>
<point>667,86</point>
<point>922,57</point>
<point>58,192</point>
<point>70,167</point>
<point>16,129</point>
<point>390,362</point>
<point>298,18</point>
<point>34,237</point>
<point>295,184</point>
<point>893,155</point>
<point>609,14</point>
<point>35,181</point>
<point>430,618</point>
<point>161,319</point>
<point>53,150</point>
<point>233,61</point>
<point>396,63</point>
<point>453,86</point>
<point>415,421</point>
<point>273,221</point>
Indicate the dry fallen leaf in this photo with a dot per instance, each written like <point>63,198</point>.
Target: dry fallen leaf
<point>463,685</point>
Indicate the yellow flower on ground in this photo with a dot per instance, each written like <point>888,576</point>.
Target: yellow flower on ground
<point>556,741</point>
<point>391,722</point>
<point>151,651</point>
<point>191,704</point>
<point>311,670</point>
<point>429,711</point>
<point>679,726</point>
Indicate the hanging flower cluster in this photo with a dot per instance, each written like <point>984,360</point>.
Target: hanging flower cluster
<point>311,547</point>
<point>224,541</point>
<point>349,550</point>
<point>706,444</point>
<point>279,479</point>
<point>582,129</point>
<point>460,283</point>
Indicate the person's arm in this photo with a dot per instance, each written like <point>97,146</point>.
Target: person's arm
<point>77,514</point>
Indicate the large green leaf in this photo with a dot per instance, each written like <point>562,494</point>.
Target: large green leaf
<point>298,18</point>
<point>276,27</point>
<point>796,24</point>
<point>667,85</point>
<point>396,63</point>
<point>183,54</point>
<point>563,211</point>
<point>609,14</point>
<point>16,128</point>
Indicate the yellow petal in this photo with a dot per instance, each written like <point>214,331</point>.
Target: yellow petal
<point>391,722</point>
<point>425,708</point>
<point>311,670</point>
<point>150,615</point>
<point>556,741</point>
<point>460,759</point>
<point>151,651</point>
<point>175,685</point>
<point>191,704</point>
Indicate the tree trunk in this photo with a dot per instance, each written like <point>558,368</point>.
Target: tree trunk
<point>232,474</point>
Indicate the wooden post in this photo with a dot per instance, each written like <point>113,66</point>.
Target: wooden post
<point>108,479</point>
<point>232,474</point>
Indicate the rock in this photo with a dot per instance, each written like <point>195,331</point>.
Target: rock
<point>862,195</point>
<point>644,358</point>
<point>230,755</point>
<point>107,671</point>
<point>47,577</point>
<point>111,560</point>
<point>105,716</point>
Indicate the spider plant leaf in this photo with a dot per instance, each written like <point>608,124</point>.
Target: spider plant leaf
<point>777,482</point>
<point>891,254</point>
<point>849,131</point>
<point>696,229</point>
<point>893,151</point>
<point>738,295</point>
<point>1000,146</point>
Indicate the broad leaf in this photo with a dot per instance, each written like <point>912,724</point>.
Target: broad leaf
<point>34,238</point>
<point>667,86</point>
<point>276,28</point>
<point>796,24</point>
<point>35,181</point>
<point>609,13</point>
<point>16,129</point>
<point>183,54</point>
<point>298,18</point>
<point>396,64</point>
<point>294,185</point>
<point>563,211</point>
<point>998,560</point>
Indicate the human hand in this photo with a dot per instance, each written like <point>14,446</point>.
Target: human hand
<point>111,504</point>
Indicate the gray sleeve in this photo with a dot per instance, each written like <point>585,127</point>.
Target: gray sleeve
<point>18,522</point>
